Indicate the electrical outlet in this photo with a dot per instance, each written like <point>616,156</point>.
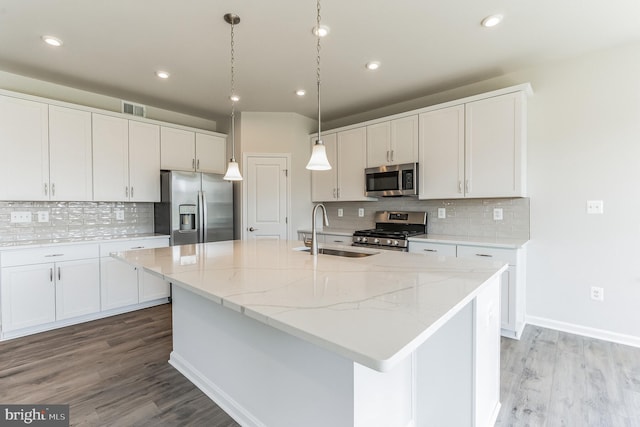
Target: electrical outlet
<point>595,206</point>
<point>497,214</point>
<point>442,213</point>
<point>360,212</point>
<point>119,215</point>
<point>20,216</point>
<point>340,212</point>
<point>43,216</point>
<point>597,293</point>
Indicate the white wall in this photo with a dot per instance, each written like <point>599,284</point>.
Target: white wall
<point>283,133</point>
<point>583,144</point>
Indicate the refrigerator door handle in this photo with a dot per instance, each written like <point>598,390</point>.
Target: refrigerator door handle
<point>205,215</point>
<point>200,218</point>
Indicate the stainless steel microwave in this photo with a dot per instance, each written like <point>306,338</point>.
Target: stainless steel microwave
<point>392,180</point>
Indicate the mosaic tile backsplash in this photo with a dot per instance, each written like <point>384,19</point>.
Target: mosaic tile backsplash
<point>465,217</point>
<point>74,220</point>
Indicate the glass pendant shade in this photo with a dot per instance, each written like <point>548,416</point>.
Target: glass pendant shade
<point>233,172</point>
<point>319,160</point>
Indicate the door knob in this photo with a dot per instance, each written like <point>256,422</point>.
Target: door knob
<point>253,229</point>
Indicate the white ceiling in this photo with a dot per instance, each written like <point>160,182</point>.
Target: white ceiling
<point>113,47</point>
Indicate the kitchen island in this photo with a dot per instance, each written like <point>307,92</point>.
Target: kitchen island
<point>277,337</point>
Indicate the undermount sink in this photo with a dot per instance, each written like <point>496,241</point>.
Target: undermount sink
<point>339,252</point>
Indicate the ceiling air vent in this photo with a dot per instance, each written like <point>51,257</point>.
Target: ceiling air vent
<point>134,109</point>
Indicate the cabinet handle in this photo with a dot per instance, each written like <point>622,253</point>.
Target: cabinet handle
<point>485,255</point>
<point>59,276</point>
<point>51,274</point>
<point>198,164</point>
<point>126,191</point>
<point>193,163</point>
<point>388,160</point>
<point>132,192</point>
<point>430,250</point>
<point>392,155</point>
<point>46,189</point>
<point>334,194</point>
<point>338,193</point>
<point>53,189</point>
<point>459,186</point>
<point>137,247</point>
<point>52,255</point>
<point>467,186</point>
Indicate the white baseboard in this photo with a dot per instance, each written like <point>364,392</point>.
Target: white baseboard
<point>222,399</point>
<point>571,328</point>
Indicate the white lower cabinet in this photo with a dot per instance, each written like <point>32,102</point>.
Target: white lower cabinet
<point>512,298</point>
<point>151,287</point>
<point>77,288</point>
<point>28,296</point>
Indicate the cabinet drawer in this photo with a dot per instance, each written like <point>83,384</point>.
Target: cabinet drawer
<point>507,255</point>
<point>106,249</point>
<point>336,239</point>
<point>441,249</point>
<point>48,254</point>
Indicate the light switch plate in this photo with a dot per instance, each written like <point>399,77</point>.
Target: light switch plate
<point>498,214</point>
<point>360,212</point>
<point>340,212</point>
<point>442,213</point>
<point>595,207</point>
<point>20,217</point>
<point>119,215</point>
<point>43,216</point>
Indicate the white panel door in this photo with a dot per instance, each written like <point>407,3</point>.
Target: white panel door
<point>24,144</point>
<point>441,153</point>
<point>144,162</point>
<point>110,158</point>
<point>267,198</point>
<point>28,296</point>
<point>70,156</point>
<point>118,283</point>
<point>378,144</point>
<point>177,149</point>
<point>211,153</point>
<point>352,154</point>
<point>324,184</point>
<point>77,288</point>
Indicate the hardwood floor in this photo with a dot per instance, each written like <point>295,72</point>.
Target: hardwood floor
<point>114,372</point>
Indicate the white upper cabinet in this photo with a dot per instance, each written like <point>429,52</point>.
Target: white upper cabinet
<point>70,154</point>
<point>110,158</point>
<point>211,153</point>
<point>393,142</point>
<point>177,149</point>
<point>477,149</point>
<point>144,162</point>
<point>495,160</point>
<point>24,148</point>
<point>346,152</point>
<point>441,161</point>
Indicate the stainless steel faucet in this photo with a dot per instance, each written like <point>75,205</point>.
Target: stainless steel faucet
<point>314,239</point>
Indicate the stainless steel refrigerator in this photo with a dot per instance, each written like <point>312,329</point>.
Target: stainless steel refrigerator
<point>194,208</point>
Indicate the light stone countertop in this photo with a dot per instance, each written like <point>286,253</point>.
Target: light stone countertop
<point>336,231</point>
<point>78,240</point>
<point>373,310</point>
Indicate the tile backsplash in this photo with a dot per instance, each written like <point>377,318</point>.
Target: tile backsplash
<point>465,217</point>
<point>74,220</point>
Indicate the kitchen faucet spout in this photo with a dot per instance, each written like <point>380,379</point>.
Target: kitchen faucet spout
<point>314,239</point>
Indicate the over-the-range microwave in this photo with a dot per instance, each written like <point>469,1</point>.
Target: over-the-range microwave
<point>391,180</point>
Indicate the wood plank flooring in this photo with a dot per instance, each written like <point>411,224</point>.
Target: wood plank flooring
<point>114,372</point>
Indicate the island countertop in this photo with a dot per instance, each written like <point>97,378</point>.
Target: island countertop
<point>374,310</point>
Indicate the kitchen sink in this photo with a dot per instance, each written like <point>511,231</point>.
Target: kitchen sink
<point>340,252</point>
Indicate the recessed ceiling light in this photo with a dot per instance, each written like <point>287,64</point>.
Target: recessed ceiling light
<point>234,98</point>
<point>53,41</point>
<point>373,65</point>
<point>491,21</point>
<point>162,74</point>
<point>301,92</point>
<point>323,31</point>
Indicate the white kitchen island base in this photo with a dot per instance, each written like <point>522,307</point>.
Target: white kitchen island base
<point>263,376</point>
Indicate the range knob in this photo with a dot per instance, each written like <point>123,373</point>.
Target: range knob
<point>376,241</point>
<point>389,242</point>
<point>365,240</point>
<point>395,243</point>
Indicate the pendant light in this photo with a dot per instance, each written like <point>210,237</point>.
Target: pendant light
<point>318,160</point>
<point>233,172</point>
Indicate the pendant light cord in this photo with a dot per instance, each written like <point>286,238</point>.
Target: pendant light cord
<point>318,66</point>
<point>233,103</point>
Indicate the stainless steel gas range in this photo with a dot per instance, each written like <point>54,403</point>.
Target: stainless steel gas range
<point>392,230</point>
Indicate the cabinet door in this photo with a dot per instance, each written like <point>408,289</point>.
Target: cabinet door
<point>338,239</point>
<point>28,296</point>
<point>433,249</point>
<point>24,144</point>
<point>441,153</point>
<point>151,287</point>
<point>144,162</point>
<point>211,153</point>
<point>70,157</point>
<point>352,149</point>
<point>110,158</point>
<point>77,288</point>
<point>495,150</point>
<point>118,283</point>
<point>378,144</point>
<point>177,149</point>
<point>324,184</point>
<point>404,140</point>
